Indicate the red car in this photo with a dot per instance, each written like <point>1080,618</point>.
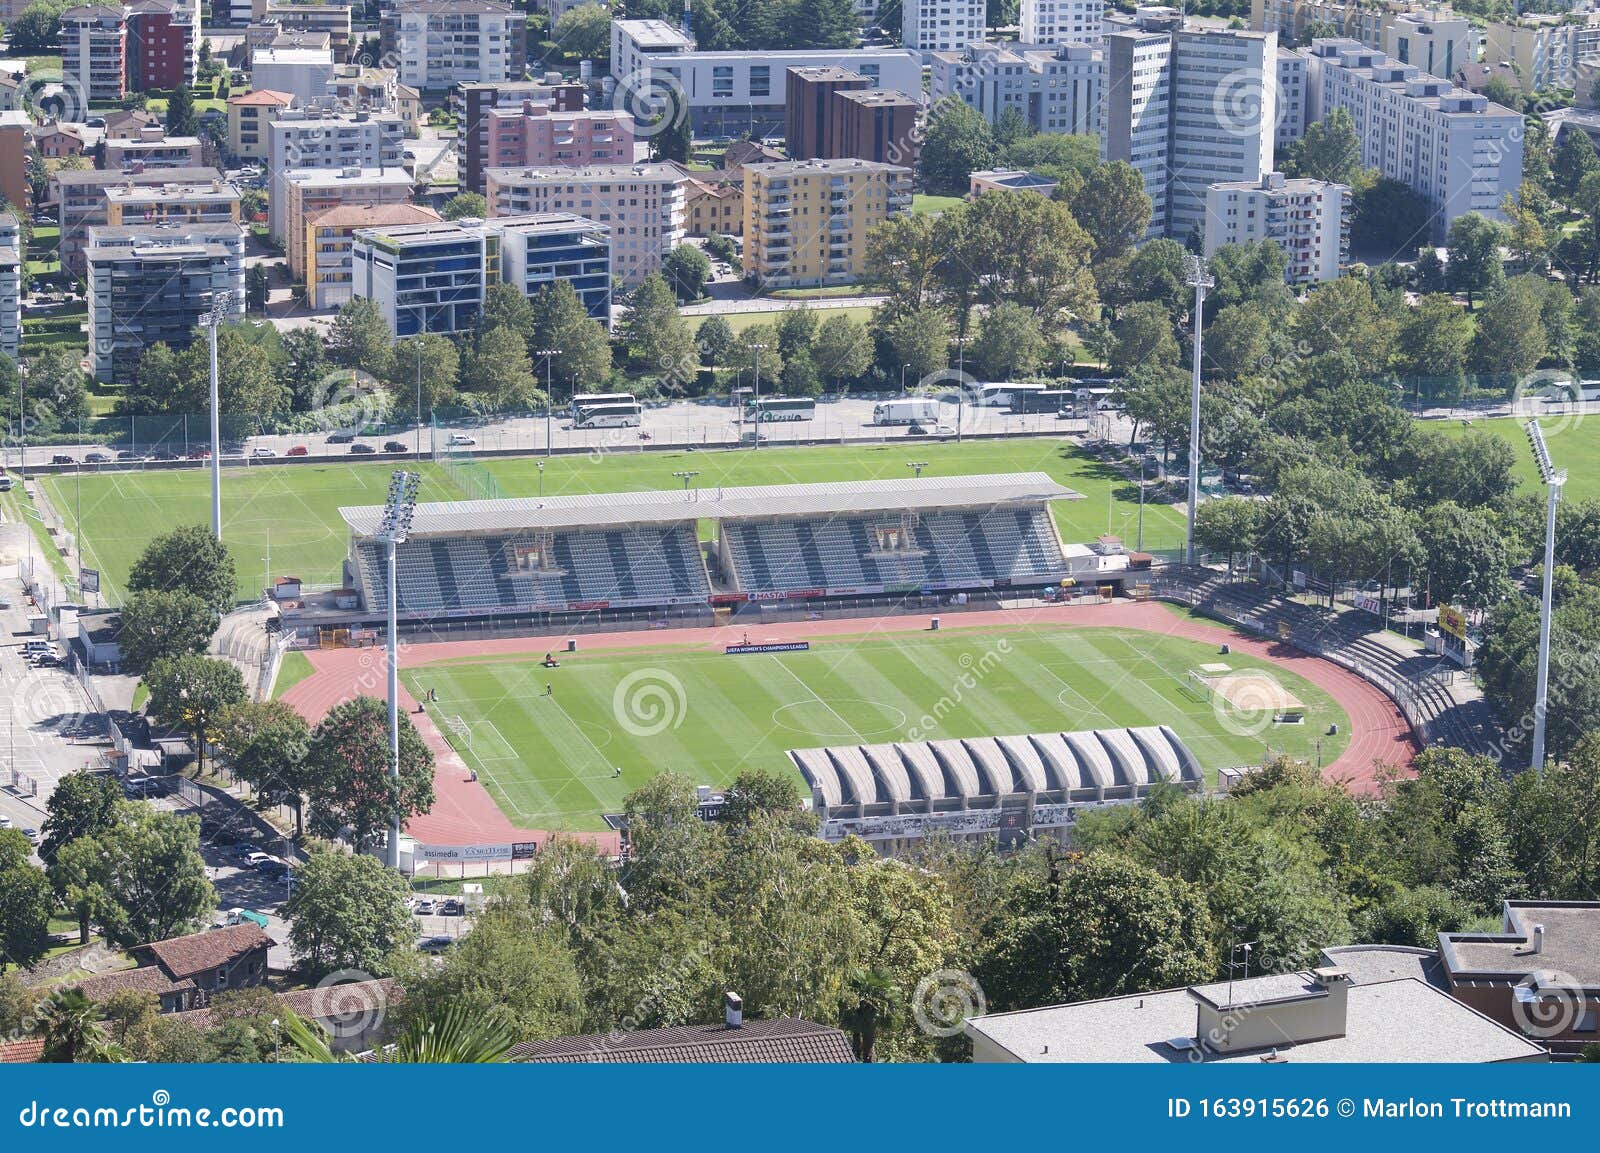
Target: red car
<point>298,450</point>
<point>200,454</point>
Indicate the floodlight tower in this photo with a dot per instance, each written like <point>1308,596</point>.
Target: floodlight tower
<point>1196,276</point>
<point>1554,481</point>
<point>397,510</point>
<point>221,303</point>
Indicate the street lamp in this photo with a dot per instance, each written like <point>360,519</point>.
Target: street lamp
<point>549,355</point>
<point>540,466</point>
<point>903,368</point>
<point>757,403</point>
<point>221,306</point>
<point>1554,480</point>
<point>396,526</point>
<point>961,381</point>
<point>919,465</point>
<point>686,476</point>
<point>1196,276</point>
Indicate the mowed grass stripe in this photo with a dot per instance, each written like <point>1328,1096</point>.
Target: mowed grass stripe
<point>739,712</point>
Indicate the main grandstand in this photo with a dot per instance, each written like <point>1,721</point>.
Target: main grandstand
<point>568,560</point>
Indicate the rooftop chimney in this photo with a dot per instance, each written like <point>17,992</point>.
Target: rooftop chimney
<point>733,1010</point>
<point>1538,940</point>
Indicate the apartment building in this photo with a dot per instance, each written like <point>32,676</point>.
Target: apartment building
<point>1452,147</point>
<point>302,72</point>
<point>15,131</point>
<point>472,104</point>
<point>942,25</point>
<point>737,93</point>
<point>248,116</point>
<point>426,277</point>
<point>94,53</point>
<point>1190,108</point>
<point>334,19</point>
<point>1359,20</point>
<point>832,113</point>
<point>713,204</point>
<point>1437,41</point>
<point>301,139</point>
<point>536,135</point>
<point>154,150</point>
<point>163,44</point>
<point>1062,21</point>
<point>1054,90</point>
<point>80,198</point>
<point>330,245</point>
<point>153,283</point>
<point>539,250</point>
<point>1308,219</point>
<point>806,221</point>
<point>809,125</point>
<point>180,202</point>
<point>442,43</point>
<point>1545,50</point>
<point>641,204</point>
<point>10,286</point>
<point>308,192</point>
<point>1291,111</point>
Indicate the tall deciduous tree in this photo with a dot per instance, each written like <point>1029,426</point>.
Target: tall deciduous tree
<point>958,141</point>
<point>843,350</point>
<point>1475,268</point>
<point>1329,150</point>
<point>158,623</point>
<point>1024,249</point>
<point>25,903</point>
<point>348,911</point>
<point>265,744</point>
<point>920,338</point>
<point>1009,343</point>
<point>657,337</point>
<point>187,559</point>
<point>348,767</point>
<point>434,360</point>
<point>498,371</point>
<point>561,322</point>
<point>361,338</point>
<point>193,692</point>
<point>82,805</point>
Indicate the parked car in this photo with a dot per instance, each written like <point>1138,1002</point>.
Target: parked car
<point>5,484</point>
<point>163,456</point>
<point>273,868</point>
<point>362,449</point>
<point>298,450</point>
<point>47,661</point>
<point>452,908</point>
<point>262,451</point>
<point>96,458</point>
<point>395,446</point>
<point>62,458</point>
<point>256,858</point>
<point>199,454</point>
<point>32,835</point>
<point>437,943</point>
<point>5,821</point>
<point>424,909</point>
<point>461,438</point>
<point>341,437</point>
<point>129,454</point>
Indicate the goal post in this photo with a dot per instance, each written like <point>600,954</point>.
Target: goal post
<point>1197,684</point>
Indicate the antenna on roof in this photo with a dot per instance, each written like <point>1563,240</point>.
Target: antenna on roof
<point>1241,951</point>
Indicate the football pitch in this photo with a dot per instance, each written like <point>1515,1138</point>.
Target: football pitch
<point>549,759</point>
<point>284,519</point>
<point>1574,444</point>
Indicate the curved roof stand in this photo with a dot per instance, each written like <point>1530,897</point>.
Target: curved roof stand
<point>1158,753</point>
<point>817,768</point>
<point>1025,763</point>
<point>992,764</point>
<point>893,780</point>
<point>925,769</point>
<point>855,771</point>
<point>1191,768</point>
<point>954,756</point>
<point>1130,763</point>
<point>1094,758</point>
<point>1062,767</point>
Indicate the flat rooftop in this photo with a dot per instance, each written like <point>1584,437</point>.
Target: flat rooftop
<point>1571,944</point>
<point>1390,1021</point>
<point>455,518</point>
<point>654,35</point>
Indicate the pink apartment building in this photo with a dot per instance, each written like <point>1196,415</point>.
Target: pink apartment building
<point>537,135</point>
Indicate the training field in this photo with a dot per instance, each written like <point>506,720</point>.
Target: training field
<point>1574,443</point>
<point>292,511</point>
<point>549,760</point>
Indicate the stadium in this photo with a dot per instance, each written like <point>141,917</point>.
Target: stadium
<point>925,655</point>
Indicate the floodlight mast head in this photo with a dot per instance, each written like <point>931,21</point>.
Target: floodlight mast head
<point>399,507</point>
<point>1541,456</point>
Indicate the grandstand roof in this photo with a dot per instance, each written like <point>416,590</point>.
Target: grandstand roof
<point>453,518</point>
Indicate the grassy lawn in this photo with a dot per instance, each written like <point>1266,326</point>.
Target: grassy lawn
<point>296,667</point>
<point>830,292</point>
<point>924,202</point>
<point>549,761</point>
<point>18,508</point>
<point>739,321</point>
<point>294,510</point>
<point>1574,443</point>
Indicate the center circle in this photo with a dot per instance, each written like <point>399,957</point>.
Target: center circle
<point>841,719</point>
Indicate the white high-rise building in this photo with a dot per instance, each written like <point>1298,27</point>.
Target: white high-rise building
<point>941,25</point>
<point>1062,21</point>
<point>1190,108</point>
<point>1291,98</point>
<point>1055,90</point>
<point>298,139</point>
<point>1452,147</point>
<point>1437,41</point>
<point>1308,219</point>
<point>10,286</point>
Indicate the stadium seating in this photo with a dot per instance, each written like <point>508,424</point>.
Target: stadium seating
<point>640,566</point>
<point>952,548</point>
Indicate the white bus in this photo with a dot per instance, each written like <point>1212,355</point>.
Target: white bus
<point>583,400</point>
<point>781,408</point>
<point>609,416</point>
<point>997,395</point>
<point>1574,390</point>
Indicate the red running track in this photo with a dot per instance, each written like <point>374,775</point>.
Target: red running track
<point>465,814</point>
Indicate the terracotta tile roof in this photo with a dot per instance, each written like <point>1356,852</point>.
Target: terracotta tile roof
<point>199,952</point>
<point>262,97</point>
<point>146,980</point>
<point>319,1004</point>
<point>788,1040</point>
<point>372,215</point>
<point>24,1052</point>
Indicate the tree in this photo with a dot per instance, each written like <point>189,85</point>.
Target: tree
<point>37,28</point>
<point>584,32</point>
<point>193,692</point>
<point>181,119</point>
<point>1573,159</point>
<point>1510,338</point>
<point>265,744</point>
<point>82,805</point>
<point>920,338</point>
<point>715,337</point>
<point>504,306</point>
<point>1389,217</point>
<point>560,321</point>
<point>903,257</point>
<point>496,368</point>
<point>800,376</point>
<point>142,880</point>
<point>957,142</point>
<point>1024,249</point>
<point>70,1024</point>
<point>360,337</point>
<point>58,389</point>
<point>26,903</point>
<point>1144,338</point>
<point>247,379</point>
<point>304,369</point>
<point>1433,340</point>
<point>1237,341</point>
<point>687,269</point>
<point>432,358</point>
<point>797,329</point>
<point>1230,524</point>
<point>843,350</point>
<point>1009,343</point>
<point>657,337</point>
<point>670,134</point>
<point>1475,470</point>
<point>187,559</point>
<point>348,767</point>
<point>1113,209</point>
<point>348,911</point>
<point>1329,150</point>
<point>257,285</point>
<point>464,206</point>
<point>1525,235</point>
<point>1466,555</point>
<point>757,347</point>
<point>158,624</point>
<point>1474,243</point>
<point>1342,317</point>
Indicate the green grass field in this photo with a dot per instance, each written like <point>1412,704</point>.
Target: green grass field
<point>292,511</point>
<point>1574,444</point>
<point>549,760</point>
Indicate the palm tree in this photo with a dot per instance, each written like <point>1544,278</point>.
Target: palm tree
<point>450,1035</point>
<point>70,1023</point>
